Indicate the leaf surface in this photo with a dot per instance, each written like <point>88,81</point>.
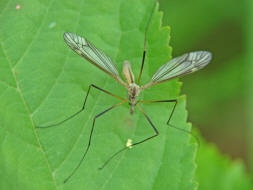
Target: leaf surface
<point>42,81</point>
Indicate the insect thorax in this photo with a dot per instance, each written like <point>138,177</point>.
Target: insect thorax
<point>132,92</point>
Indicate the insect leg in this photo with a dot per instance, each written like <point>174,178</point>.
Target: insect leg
<point>171,114</point>
<point>84,103</point>
<point>145,43</point>
<point>90,137</point>
<point>157,101</point>
<point>134,144</point>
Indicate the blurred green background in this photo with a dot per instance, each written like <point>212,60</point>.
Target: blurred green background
<point>218,97</point>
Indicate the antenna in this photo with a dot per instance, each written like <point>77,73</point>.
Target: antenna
<point>145,43</point>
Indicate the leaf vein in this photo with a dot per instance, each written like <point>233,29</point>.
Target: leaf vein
<point>28,111</point>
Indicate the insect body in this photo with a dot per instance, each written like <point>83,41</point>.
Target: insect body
<point>133,89</point>
<point>185,64</point>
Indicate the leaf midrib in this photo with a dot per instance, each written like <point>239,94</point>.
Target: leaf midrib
<point>21,93</point>
<point>29,115</point>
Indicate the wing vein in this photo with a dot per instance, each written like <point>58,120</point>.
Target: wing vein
<point>182,65</point>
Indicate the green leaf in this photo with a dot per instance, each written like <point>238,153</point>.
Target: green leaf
<point>42,81</point>
<point>216,171</point>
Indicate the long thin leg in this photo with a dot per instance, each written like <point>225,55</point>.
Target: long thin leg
<point>91,132</point>
<point>145,44</point>
<point>157,101</point>
<point>84,103</point>
<point>134,144</point>
<point>171,114</point>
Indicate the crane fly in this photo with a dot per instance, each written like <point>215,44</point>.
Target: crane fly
<point>176,67</point>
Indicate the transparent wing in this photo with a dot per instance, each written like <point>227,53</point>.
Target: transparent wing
<point>185,64</point>
<point>87,50</point>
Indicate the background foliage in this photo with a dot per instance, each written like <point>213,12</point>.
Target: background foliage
<point>218,98</point>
